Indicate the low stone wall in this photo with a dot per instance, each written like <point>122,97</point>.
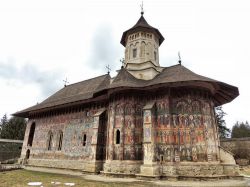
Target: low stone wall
<point>10,149</point>
<point>240,147</point>
<point>8,167</point>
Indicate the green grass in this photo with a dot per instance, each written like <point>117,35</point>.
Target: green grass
<point>20,178</point>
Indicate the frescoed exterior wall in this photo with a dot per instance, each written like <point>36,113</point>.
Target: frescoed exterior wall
<point>185,130</point>
<point>81,132</point>
<point>132,131</point>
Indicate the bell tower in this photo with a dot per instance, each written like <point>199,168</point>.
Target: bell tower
<point>141,44</point>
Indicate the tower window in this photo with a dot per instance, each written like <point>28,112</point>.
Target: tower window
<point>134,53</point>
<point>155,55</point>
<point>117,137</point>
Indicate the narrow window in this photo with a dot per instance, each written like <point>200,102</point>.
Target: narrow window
<point>155,55</point>
<point>28,154</point>
<point>50,137</point>
<point>161,158</point>
<point>31,134</point>
<point>117,137</point>
<point>60,141</point>
<point>84,140</point>
<point>134,53</point>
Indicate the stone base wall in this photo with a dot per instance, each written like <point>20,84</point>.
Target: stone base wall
<point>136,168</point>
<point>124,167</point>
<point>194,170</point>
<point>231,169</point>
<point>199,170</point>
<point>88,166</point>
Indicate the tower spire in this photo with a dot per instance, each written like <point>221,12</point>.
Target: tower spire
<point>142,11</point>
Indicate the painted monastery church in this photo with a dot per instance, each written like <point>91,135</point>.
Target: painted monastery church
<point>147,121</point>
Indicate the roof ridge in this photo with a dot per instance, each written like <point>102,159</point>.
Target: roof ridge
<point>86,80</point>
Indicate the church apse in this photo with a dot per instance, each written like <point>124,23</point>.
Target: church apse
<point>185,130</point>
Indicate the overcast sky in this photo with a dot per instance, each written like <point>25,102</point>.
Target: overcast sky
<point>43,42</point>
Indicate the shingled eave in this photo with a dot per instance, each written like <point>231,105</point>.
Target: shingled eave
<point>178,76</point>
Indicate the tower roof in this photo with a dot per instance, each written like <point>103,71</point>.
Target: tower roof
<point>141,24</point>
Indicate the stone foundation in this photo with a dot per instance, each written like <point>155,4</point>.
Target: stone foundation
<point>122,167</point>
<point>230,169</point>
<point>86,166</point>
<point>194,171</point>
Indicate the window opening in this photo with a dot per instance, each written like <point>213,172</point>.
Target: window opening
<point>84,140</point>
<point>134,53</point>
<point>117,137</point>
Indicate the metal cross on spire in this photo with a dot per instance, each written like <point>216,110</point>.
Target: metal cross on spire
<point>108,68</point>
<point>65,82</point>
<point>179,54</point>
<point>142,11</point>
<point>123,62</point>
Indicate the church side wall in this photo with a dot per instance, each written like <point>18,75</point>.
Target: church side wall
<point>77,150</point>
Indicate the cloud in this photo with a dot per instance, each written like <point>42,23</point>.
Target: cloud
<point>47,81</point>
<point>105,50</point>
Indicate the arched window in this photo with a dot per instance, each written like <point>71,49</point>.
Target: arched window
<point>142,49</point>
<point>59,148</point>
<point>50,137</point>
<point>31,134</point>
<point>118,137</point>
<point>28,154</point>
<point>84,140</point>
<point>134,53</point>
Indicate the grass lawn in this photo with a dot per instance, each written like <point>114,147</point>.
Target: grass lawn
<point>20,178</point>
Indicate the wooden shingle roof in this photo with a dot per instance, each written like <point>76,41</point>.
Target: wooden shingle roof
<point>173,76</point>
<point>72,93</point>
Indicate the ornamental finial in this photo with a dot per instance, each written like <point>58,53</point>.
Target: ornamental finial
<point>142,11</point>
<point>179,54</point>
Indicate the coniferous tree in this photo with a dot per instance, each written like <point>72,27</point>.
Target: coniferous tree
<point>3,123</point>
<point>219,115</point>
<point>241,130</point>
<point>14,128</point>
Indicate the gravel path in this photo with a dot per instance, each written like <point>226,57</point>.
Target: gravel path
<point>219,183</point>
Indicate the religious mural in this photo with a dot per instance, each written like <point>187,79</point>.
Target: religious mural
<point>187,134</point>
<point>128,121</point>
